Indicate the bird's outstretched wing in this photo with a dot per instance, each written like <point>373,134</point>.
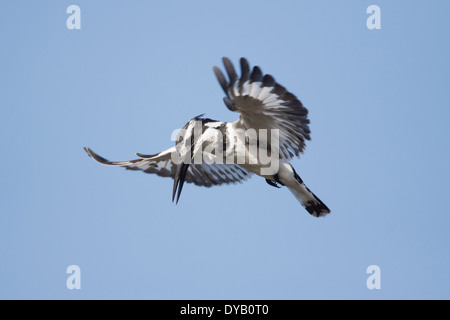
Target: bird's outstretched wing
<point>162,165</point>
<point>265,104</point>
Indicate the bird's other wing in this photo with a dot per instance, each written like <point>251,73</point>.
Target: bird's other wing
<point>265,104</point>
<point>162,165</point>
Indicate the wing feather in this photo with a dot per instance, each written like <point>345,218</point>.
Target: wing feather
<point>162,165</point>
<point>265,104</point>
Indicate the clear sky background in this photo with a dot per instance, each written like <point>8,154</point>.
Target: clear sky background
<point>379,156</point>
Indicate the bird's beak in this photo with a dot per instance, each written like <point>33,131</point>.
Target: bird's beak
<point>178,182</point>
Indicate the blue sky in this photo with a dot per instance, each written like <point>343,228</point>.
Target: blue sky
<point>135,71</point>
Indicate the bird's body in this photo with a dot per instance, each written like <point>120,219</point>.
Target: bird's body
<point>272,128</point>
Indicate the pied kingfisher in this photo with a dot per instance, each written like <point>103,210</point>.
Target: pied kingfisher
<point>272,121</point>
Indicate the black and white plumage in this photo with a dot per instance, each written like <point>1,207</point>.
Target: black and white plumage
<point>263,104</point>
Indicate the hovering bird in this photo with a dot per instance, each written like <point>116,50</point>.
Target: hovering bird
<point>273,125</point>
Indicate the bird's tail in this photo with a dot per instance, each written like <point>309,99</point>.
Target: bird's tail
<point>308,199</point>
